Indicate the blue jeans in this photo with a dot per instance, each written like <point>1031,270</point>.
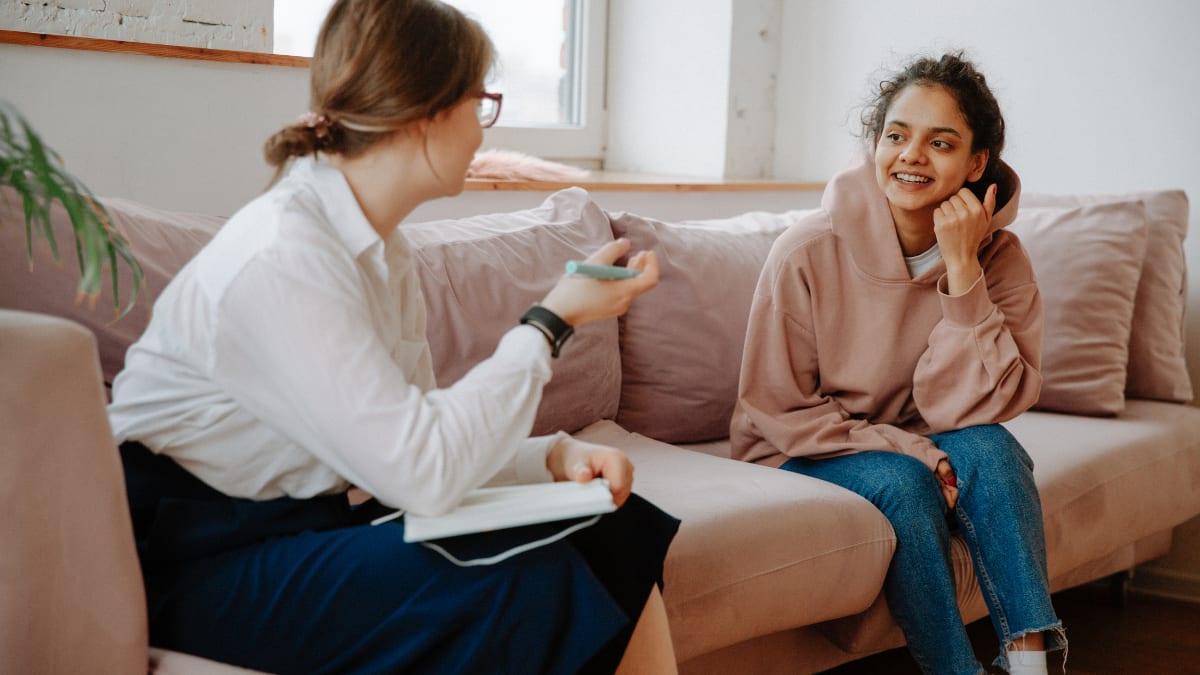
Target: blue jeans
<point>1000,517</point>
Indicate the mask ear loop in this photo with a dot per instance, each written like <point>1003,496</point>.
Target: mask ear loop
<point>516,550</point>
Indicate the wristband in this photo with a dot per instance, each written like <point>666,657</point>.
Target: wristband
<point>551,325</point>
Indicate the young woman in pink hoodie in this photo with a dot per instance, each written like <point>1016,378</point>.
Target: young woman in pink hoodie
<point>891,331</point>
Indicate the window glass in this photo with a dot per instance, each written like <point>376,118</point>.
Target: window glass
<point>538,43</point>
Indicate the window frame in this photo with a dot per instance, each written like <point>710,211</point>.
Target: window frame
<point>584,143</point>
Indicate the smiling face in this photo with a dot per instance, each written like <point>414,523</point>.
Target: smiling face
<point>923,154</point>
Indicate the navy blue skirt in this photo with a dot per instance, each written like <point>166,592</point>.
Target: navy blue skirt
<point>308,586</point>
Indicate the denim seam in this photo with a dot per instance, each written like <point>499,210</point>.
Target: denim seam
<point>985,580</point>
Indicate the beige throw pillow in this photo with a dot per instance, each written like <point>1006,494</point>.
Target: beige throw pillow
<point>1087,260</point>
<point>681,344</point>
<point>1157,345</point>
<point>480,274</point>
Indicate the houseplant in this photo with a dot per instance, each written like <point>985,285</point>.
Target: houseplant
<point>36,174</point>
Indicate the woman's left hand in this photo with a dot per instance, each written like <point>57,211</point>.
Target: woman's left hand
<point>960,223</point>
<point>948,481</point>
<point>572,459</point>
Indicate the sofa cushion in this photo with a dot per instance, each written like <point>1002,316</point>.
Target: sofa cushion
<point>162,241</point>
<point>759,550</point>
<point>1087,260</point>
<point>480,274</point>
<point>1137,474</point>
<point>681,344</point>
<point>1157,367</point>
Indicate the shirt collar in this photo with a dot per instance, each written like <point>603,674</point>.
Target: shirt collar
<point>338,201</point>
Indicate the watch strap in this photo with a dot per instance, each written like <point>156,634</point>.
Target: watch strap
<point>551,325</point>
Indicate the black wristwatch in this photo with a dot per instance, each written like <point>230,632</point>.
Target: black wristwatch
<point>556,330</point>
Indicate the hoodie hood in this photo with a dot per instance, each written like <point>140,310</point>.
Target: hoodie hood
<point>860,216</point>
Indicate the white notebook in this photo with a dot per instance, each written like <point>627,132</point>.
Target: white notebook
<point>496,508</point>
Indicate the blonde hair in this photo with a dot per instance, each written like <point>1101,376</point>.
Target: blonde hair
<point>380,65</point>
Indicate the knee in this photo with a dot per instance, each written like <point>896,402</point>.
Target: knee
<point>986,449</point>
<point>909,492</point>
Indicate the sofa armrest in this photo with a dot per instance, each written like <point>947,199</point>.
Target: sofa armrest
<point>71,594</point>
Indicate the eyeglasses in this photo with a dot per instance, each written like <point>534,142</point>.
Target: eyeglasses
<point>488,108</point>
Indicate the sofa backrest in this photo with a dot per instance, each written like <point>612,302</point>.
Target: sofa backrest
<point>1110,270</point>
<point>481,273</point>
<point>162,241</point>
<point>669,369</point>
<point>681,344</point>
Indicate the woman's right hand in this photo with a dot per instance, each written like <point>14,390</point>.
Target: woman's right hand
<point>577,299</point>
<point>580,461</point>
<point>948,481</point>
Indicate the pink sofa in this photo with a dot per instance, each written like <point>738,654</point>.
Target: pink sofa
<point>771,572</point>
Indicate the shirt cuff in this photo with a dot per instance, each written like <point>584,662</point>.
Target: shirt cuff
<point>530,462</point>
<point>968,309</point>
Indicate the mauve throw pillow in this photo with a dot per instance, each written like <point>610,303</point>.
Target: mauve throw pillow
<point>1087,260</point>
<point>480,274</point>
<point>162,241</point>
<point>681,344</point>
<point>1157,344</point>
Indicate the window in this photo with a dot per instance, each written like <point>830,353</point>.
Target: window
<point>550,68</point>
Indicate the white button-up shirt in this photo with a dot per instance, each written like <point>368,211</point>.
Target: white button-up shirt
<point>289,358</point>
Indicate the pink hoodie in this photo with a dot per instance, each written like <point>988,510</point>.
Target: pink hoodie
<point>845,352</point>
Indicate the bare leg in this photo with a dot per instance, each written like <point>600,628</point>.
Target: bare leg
<point>650,651</point>
<point>1031,642</point>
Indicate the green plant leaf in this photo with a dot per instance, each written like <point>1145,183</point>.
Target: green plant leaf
<point>36,173</point>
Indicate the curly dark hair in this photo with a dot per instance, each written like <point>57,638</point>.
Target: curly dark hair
<point>969,87</point>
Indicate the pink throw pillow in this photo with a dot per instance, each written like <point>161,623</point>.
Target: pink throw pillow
<point>162,241</point>
<point>681,344</point>
<point>1157,345</point>
<point>480,274</point>
<point>1087,260</point>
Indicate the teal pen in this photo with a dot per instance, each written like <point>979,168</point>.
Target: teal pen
<point>600,271</point>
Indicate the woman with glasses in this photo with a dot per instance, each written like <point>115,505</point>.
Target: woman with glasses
<point>890,334</point>
<point>288,362</point>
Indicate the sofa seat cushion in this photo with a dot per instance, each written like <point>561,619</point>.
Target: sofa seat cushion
<point>1112,481</point>
<point>759,550</point>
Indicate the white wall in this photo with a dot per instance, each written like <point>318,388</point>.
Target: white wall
<point>174,133</point>
<point>691,87</point>
<point>669,78</point>
<point>217,24</point>
<point>1099,96</point>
